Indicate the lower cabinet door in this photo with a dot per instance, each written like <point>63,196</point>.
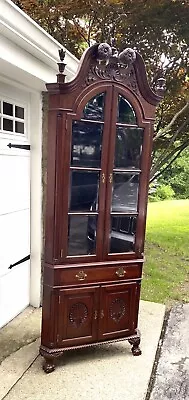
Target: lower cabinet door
<point>118,310</point>
<point>77,316</point>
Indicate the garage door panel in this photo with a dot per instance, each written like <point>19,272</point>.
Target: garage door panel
<point>14,238</point>
<point>14,204</point>
<point>14,292</point>
<point>15,183</point>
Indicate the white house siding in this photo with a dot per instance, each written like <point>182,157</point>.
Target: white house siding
<point>28,59</point>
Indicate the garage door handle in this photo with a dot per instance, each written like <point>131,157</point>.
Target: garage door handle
<point>19,262</point>
<point>19,146</point>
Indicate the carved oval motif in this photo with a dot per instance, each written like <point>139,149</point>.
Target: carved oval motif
<point>127,56</point>
<point>117,309</point>
<point>104,51</point>
<point>78,314</point>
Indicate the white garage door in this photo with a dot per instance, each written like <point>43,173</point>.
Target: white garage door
<point>14,208</point>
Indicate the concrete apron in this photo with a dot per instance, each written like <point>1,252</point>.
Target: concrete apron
<point>106,371</point>
<point>172,375</point>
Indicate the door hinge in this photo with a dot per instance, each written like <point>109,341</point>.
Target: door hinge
<point>19,262</point>
<point>59,299</point>
<point>19,146</point>
<point>57,337</point>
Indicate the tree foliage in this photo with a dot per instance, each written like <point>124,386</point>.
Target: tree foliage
<point>159,30</point>
<point>176,176</point>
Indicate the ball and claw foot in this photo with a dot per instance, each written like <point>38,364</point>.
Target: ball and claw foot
<point>135,342</point>
<point>49,365</point>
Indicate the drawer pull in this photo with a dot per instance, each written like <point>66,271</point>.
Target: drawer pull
<point>81,276</point>
<point>120,272</point>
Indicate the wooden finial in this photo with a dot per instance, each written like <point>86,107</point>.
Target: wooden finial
<point>61,66</point>
<point>160,86</point>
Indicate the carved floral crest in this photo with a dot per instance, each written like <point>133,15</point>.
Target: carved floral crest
<point>110,65</point>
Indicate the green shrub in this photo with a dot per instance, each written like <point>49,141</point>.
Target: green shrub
<point>162,192</point>
<point>177,176</point>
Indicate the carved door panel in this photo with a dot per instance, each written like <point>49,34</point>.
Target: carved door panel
<point>77,316</point>
<point>118,306</point>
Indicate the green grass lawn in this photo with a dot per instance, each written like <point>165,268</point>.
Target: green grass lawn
<point>166,270</point>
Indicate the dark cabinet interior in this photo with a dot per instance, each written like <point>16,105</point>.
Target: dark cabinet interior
<point>100,135</point>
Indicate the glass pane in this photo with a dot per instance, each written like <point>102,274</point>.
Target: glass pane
<point>7,108</point>
<point>94,109</point>
<point>128,147</point>
<point>7,125</point>
<point>86,144</point>
<point>122,234</point>
<point>84,190</point>
<point>19,112</point>
<point>126,114</point>
<point>80,242</point>
<point>19,127</point>
<point>125,192</point>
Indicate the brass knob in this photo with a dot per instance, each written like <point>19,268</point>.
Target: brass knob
<point>103,178</point>
<point>110,178</point>
<point>81,276</point>
<point>120,272</point>
<point>95,314</point>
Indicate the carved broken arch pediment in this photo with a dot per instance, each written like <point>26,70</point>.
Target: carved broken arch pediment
<point>104,62</point>
<point>126,67</point>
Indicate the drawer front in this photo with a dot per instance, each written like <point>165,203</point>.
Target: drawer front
<point>75,276</point>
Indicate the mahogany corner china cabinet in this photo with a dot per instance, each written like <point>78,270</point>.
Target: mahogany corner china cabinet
<point>100,132</point>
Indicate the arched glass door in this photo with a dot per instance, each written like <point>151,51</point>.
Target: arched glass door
<point>87,178</point>
<point>104,176</point>
<point>124,178</point>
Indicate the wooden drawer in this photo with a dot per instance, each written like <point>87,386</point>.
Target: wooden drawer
<point>75,276</point>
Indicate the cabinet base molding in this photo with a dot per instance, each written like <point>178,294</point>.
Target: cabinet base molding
<point>50,355</point>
